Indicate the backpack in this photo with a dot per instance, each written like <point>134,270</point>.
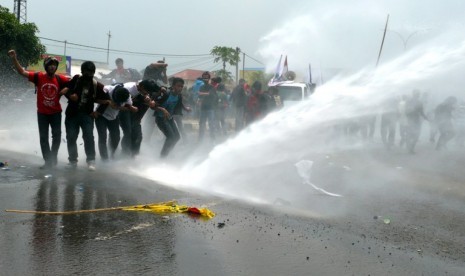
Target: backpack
<point>36,79</point>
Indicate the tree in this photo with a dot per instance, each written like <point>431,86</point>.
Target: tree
<point>253,76</point>
<point>225,75</point>
<point>226,55</point>
<point>22,38</point>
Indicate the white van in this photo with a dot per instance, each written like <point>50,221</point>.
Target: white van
<point>291,91</point>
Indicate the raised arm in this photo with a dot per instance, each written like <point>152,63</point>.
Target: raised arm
<point>161,66</point>
<point>18,67</point>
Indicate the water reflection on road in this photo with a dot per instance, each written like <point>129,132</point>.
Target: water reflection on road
<point>90,243</point>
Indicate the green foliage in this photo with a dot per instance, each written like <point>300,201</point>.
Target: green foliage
<point>252,76</point>
<point>20,37</point>
<point>225,75</point>
<point>226,55</point>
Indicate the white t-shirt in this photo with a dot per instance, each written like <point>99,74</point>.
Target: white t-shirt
<point>111,113</point>
<point>132,88</point>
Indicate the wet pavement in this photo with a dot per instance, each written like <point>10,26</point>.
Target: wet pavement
<point>408,222</point>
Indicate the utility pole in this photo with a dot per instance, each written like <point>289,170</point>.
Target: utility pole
<point>65,48</point>
<point>243,64</point>
<point>382,42</point>
<point>20,10</point>
<point>108,47</point>
<point>237,64</point>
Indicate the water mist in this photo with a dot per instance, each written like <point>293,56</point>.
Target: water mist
<point>258,164</point>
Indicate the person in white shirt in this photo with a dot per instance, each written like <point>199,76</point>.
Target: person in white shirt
<point>107,122</point>
<point>141,94</point>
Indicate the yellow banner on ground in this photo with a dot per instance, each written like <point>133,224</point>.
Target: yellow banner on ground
<point>170,207</point>
<point>161,207</point>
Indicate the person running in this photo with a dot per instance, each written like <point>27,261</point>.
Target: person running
<point>389,118</point>
<point>208,102</point>
<point>459,116</point>
<point>164,110</point>
<point>402,119</point>
<point>443,118</point>
<point>414,114</point>
<point>223,105</point>
<point>106,120</point>
<point>195,96</point>
<point>252,108</point>
<point>48,87</point>
<point>157,72</point>
<point>178,116</point>
<point>82,92</point>
<point>239,100</point>
<point>141,94</point>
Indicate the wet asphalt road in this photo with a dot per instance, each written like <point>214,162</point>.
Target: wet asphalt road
<point>424,203</point>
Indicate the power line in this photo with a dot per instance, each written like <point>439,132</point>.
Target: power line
<point>253,58</point>
<point>202,58</point>
<point>138,53</point>
<point>125,52</point>
<point>192,63</point>
<point>75,48</point>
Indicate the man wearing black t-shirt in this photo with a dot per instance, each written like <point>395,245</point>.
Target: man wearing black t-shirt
<point>82,92</point>
<point>208,101</point>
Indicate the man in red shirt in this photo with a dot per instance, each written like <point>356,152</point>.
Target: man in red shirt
<point>48,87</point>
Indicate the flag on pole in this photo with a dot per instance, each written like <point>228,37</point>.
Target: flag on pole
<point>284,70</point>
<point>277,73</point>
<point>309,73</point>
<point>278,70</point>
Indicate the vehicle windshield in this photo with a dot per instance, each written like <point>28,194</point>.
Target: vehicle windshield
<point>290,93</point>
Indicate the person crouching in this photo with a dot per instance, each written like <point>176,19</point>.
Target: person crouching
<point>166,103</point>
<point>107,118</point>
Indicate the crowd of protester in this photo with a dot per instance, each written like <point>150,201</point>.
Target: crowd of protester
<point>120,105</point>
<point>115,104</point>
<point>403,120</point>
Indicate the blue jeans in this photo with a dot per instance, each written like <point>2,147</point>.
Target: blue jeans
<point>170,130</point>
<point>102,124</point>
<point>86,123</point>
<point>54,122</point>
<point>207,115</point>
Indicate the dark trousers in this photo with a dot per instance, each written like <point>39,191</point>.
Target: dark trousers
<point>112,126</point>
<point>170,130</point>
<point>136,140</point>
<point>388,128</point>
<point>54,122</point>
<point>413,133</point>
<point>86,123</point>
<point>220,119</point>
<point>207,115</point>
<point>239,118</point>
<point>125,123</point>
<point>446,133</point>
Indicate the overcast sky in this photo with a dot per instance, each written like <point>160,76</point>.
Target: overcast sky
<point>327,34</point>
